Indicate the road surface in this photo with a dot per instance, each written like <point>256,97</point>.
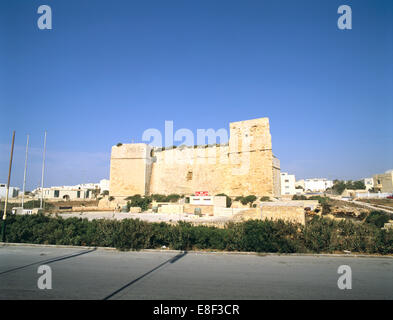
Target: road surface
<point>79,273</point>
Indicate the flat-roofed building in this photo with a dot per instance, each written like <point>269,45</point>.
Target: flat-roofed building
<point>315,184</point>
<point>13,192</point>
<point>384,182</point>
<point>287,184</point>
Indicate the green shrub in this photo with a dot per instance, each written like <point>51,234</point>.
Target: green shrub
<point>319,235</point>
<point>265,199</point>
<point>138,201</point>
<point>377,218</point>
<point>299,197</point>
<point>321,200</point>
<point>163,198</point>
<point>246,200</point>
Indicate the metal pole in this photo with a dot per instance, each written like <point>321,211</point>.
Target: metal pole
<point>24,175</point>
<point>42,176</point>
<point>8,186</point>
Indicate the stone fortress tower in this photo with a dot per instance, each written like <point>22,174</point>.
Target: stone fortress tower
<point>244,166</point>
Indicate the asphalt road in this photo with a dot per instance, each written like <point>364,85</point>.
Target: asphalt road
<point>79,273</point>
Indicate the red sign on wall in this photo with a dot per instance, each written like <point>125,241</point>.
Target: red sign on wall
<point>201,193</point>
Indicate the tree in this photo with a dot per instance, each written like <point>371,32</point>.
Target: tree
<point>249,199</point>
<point>96,192</point>
<point>359,185</point>
<point>339,186</point>
<point>245,200</point>
<point>138,201</point>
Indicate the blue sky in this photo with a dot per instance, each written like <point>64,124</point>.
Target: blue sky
<point>108,70</point>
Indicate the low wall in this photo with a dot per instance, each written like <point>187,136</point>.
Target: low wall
<point>171,208</point>
<point>312,204</point>
<point>293,214</point>
<point>227,212</point>
<point>117,203</point>
<point>370,195</point>
<point>190,208</point>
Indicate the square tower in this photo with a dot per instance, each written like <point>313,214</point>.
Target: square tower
<point>130,169</point>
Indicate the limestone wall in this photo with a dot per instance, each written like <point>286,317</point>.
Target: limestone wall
<point>207,210</point>
<point>130,169</point>
<point>294,214</point>
<point>243,167</point>
<point>171,208</point>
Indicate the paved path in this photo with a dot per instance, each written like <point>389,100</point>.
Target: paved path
<point>364,204</point>
<point>374,207</point>
<point>79,273</point>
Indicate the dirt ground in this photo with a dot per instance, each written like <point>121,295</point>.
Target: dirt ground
<point>381,202</point>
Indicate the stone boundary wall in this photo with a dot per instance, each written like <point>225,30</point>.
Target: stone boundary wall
<point>287,213</point>
<point>171,208</point>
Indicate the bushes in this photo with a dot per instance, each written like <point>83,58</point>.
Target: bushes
<point>299,197</point>
<point>138,201</point>
<point>321,200</point>
<point>320,235</point>
<point>326,235</point>
<point>377,218</point>
<point>265,199</point>
<point>144,202</point>
<point>246,200</point>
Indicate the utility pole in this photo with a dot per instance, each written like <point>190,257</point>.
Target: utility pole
<point>8,186</point>
<point>24,175</point>
<point>42,176</point>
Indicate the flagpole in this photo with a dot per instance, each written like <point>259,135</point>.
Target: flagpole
<point>24,175</point>
<point>8,186</point>
<point>42,176</point>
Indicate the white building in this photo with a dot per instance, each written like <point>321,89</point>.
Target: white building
<point>104,185</point>
<point>79,191</point>
<point>287,184</point>
<point>369,183</point>
<point>12,193</point>
<point>65,193</point>
<point>315,184</point>
<point>218,201</point>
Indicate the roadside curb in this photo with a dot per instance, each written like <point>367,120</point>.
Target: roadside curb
<point>261,254</point>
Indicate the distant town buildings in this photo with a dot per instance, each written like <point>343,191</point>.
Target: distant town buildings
<point>79,191</point>
<point>315,184</point>
<point>65,193</point>
<point>287,184</point>
<point>369,183</point>
<point>12,193</point>
<point>384,182</point>
<point>104,185</point>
